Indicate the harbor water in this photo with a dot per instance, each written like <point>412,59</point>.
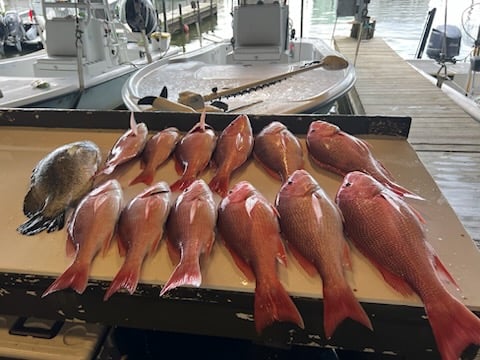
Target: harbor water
<point>399,23</point>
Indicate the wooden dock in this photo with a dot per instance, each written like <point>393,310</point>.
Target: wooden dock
<point>187,15</point>
<point>446,139</point>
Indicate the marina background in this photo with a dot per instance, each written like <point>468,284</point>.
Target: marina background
<point>399,23</point>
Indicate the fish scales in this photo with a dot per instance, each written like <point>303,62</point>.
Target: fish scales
<point>312,225</point>
<point>157,150</point>
<point>232,150</point>
<point>140,229</point>
<point>340,152</point>
<point>278,150</point>
<point>193,153</point>
<point>58,182</point>
<point>389,232</point>
<point>248,224</point>
<point>91,228</point>
<point>190,234</point>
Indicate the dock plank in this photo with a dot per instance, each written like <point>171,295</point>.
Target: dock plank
<point>445,137</point>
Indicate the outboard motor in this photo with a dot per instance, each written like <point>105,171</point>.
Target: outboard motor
<point>141,15</point>
<point>438,38</point>
<point>15,30</point>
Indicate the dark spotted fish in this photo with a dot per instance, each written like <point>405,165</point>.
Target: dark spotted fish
<point>58,182</point>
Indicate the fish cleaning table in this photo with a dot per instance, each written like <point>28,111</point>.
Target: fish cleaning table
<point>223,305</point>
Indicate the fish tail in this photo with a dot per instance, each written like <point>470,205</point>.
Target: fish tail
<point>126,278</point>
<point>400,190</point>
<point>75,277</point>
<point>146,177</point>
<point>454,326</point>
<point>182,183</point>
<point>272,303</point>
<point>339,303</point>
<point>219,184</point>
<point>186,273</point>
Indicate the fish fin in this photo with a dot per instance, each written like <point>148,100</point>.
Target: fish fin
<point>108,242</point>
<point>179,167</point>
<point>187,272</point>
<point>202,122</point>
<point>272,303</point>
<point>182,183</point>
<point>440,268</point>
<point>393,197</point>
<point>31,205</point>
<point>70,248</point>
<point>122,245</point>
<point>126,278</point>
<point>173,252</point>
<point>400,190</point>
<point>281,253</point>
<point>38,223</point>
<point>303,261</point>
<point>346,258</point>
<point>326,166</point>
<point>146,177</point>
<point>154,246</point>
<point>133,124</point>
<point>75,277</point>
<point>396,282</point>
<point>244,267</point>
<point>454,326</point>
<point>219,184</point>
<point>269,171</point>
<point>339,303</point>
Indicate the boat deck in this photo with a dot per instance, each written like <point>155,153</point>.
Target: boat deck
<point>445,137</point>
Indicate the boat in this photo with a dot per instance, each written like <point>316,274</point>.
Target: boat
<point>459,79</point>
<point>87,57</point>
<point>264,68</point>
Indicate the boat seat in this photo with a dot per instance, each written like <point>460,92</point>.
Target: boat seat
<point>256,25</point>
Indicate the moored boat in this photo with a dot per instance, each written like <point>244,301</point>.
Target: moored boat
<point>264,68</point>
<point>87,58</point>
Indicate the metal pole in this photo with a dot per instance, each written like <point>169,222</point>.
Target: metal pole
<point>164,10</point>
<point>301,20</point>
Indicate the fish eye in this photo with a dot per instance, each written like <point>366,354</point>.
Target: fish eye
<point>289,182</point>
<point>348,184</point>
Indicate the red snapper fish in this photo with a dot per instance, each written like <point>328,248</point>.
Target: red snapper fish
<point>339,152</point>
<point>190,234</point>
<point>140,229</point>
<point>233,148</point>
<point>248,224</point>
<point>390,233</point>
<point>156,152</point>
<point>312,225</point>
<point>91,228</point>
<point>127,147</point>
<point>278,150</point>
<point>193,153</point>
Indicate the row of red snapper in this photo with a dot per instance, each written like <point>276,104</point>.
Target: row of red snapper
<point>369,210</point>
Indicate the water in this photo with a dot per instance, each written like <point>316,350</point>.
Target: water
<point>398,22</point>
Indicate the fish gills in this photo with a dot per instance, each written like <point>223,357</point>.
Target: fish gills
<point>339,152</point>
<point>389,232</point>
<point>232,150</point>
<point>140,229</point>
<point>156,152</point>
<point>91,228</point>
<point>58,182</point>
<point>127,147</point>
<point>278,150</point>
<point>312,224</point>
<point>191,232</point>
<point>248,224</point>
<point>193,153</point>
